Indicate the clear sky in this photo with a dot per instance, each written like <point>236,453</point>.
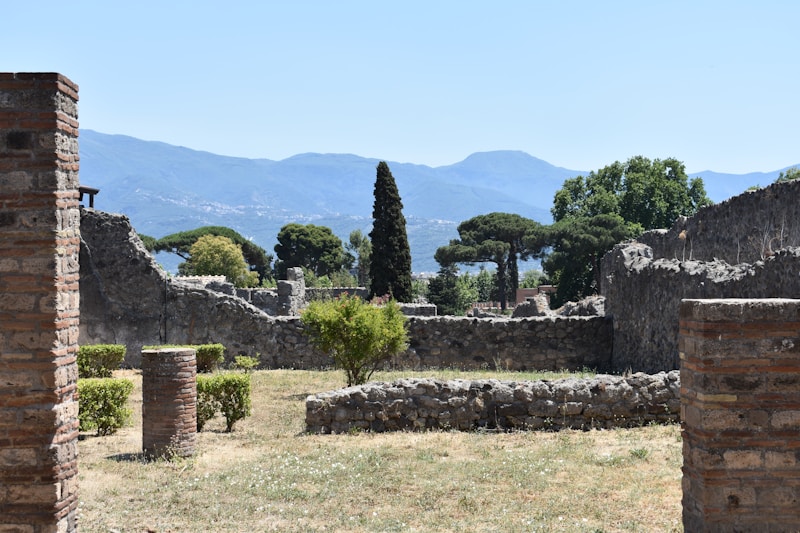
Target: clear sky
<point>715,84</point>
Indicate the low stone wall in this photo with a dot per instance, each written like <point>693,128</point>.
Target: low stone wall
<point>419,404</point>
<point>535,343</point>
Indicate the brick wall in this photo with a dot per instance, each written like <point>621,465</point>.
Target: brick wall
<point>39,302</point>
<point>740,403</point>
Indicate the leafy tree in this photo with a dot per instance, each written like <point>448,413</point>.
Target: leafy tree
<point>360,245</point>
<point>485,282</point>
<point>617,202</point>
<point>419,289</point>
<point>359,336</point>
<point>212,255</point>
<point>496,238</point>
<point>532,279</point>
<point>313,247</point>
<point>390,260</point>
<point>340,278</point>
<point>652,194</point>
<point>181,243</point>
<point>790,174</point>
<point>578,245</point>
<point>452,294</point>
<point>148,241</point>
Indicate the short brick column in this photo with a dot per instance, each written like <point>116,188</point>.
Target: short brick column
<point>169,402</point>
<point>740,403</point>
<point>39,302</point>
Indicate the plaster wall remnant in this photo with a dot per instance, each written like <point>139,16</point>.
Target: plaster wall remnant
<point>39,302</point>
<point>745,247</point>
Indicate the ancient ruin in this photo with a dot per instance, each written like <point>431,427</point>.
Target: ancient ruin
<point>128,299</point>
<point>602,402</point>
<point>39,239</point>
<point>738,358</point>
<point>745,247</point>
<point>740,392</point>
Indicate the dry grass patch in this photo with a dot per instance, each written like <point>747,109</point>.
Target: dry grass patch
<point>269,476</point>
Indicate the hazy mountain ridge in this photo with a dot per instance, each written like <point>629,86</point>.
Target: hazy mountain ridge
<point>164,189</point>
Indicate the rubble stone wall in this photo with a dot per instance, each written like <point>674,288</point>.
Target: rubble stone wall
<point>644,281</point>
<point>743,229</point>
<point>419,404</point>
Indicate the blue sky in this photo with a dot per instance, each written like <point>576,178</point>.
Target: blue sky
<point>578,84</point>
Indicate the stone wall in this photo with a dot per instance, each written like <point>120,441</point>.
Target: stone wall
<point>420,404</point>
<point>644,281</point>
<point>743,229</point>
<point>128,299</point>
<point>329,293</point>
<point>740,395</point>
<point>39,303</point>
<point>285,300</point>
<point>535,343</point>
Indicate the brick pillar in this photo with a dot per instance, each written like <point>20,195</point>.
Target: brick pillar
<point>740,403</point>
<point>39,245</point>
<point>169,402</point>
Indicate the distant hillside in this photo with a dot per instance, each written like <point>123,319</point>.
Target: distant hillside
<point>164,189</point>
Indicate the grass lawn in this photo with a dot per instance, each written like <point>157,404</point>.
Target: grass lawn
<point>267,475</point>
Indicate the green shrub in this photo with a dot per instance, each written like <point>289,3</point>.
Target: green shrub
<point>359,336</point>
<point>233,394</point>
<point>207,404</point>
<point>99,360</point>
<point>245,363</point>
<point>209,356</point>
<point>226,393</point>
<point>101,404</point>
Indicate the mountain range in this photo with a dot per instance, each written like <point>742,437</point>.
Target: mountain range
<point>164,189</point>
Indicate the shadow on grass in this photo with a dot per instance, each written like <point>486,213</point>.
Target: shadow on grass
<point>138,457</point>
<point>298,397</point>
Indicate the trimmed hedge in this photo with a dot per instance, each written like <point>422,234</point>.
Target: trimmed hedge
<point>99,360</point>
<point>207,404</point>
<point>101,404</point>
<point>209,356</point>
<point>226,393</point>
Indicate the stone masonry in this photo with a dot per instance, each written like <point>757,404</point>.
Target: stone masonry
<point>740,396</point>
<point>745,247</point>
<point>39,303</point>
<point>600,402</point>
<point>128,299</point>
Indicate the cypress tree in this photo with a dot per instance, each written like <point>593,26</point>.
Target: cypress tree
<point>390,260</point>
